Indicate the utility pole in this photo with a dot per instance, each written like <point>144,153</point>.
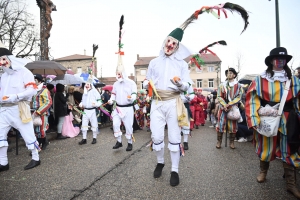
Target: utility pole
<point>277,24</point>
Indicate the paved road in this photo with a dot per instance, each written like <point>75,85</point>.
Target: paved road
<point>70,171</point>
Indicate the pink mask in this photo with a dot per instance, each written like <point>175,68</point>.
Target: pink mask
<point>5,62</point>
<point>171,45</point>
<point>279,62</point>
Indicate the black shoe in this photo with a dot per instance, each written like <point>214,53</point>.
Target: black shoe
<point>4,167</point>
<point>158,170</point>
<point>129,147</point>
<point>197,127</point>
<point>83,141</point>
<point>148,129</point>
<point>202,124</point>
<point>181,133</point>
<point>94,141</point>
<point>186,146</point>
<point>118,145</point>
<point>60,136</point>
<point>32,164</point>
<point>174,180</point>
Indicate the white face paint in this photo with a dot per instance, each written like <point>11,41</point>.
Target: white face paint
<point>88,86</point>
<point>171,45</point>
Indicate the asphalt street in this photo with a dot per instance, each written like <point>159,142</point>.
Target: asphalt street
<point>71,171</point>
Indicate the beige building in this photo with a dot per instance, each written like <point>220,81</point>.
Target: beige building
<point>206,78</point>
<point>77,63</point>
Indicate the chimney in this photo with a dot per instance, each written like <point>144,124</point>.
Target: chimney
<point>138,56</point>
<point>84,52</point>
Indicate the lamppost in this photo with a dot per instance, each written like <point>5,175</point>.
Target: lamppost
<point>277,24</point>
<point>217,70</point>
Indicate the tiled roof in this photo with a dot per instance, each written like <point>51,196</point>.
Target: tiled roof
<point>208,58</point>
<point>74,57</point>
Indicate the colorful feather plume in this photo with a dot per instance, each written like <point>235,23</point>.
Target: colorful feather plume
<point>205,49</point>
<point>220,7</point>
<point>196,60</point>
<point>120,32</point>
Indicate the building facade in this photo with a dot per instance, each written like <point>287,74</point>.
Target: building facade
<point>78,63</point>
<point>208,77</point>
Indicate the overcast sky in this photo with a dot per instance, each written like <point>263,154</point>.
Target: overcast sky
<point>77,25</point>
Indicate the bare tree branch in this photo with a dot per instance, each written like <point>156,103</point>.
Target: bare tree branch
<point>18,31</point>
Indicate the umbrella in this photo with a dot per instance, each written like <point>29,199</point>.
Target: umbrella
<point>245,81</point>
<point>108,87</point>
<point>100,84</point>
<point>85,76</point>
<point>67,79</point>
<point>46,67</point>
<point>69,72</point>
<point>51,76</point>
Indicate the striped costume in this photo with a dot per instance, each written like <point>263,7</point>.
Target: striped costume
<point>41,103</point>
<point>235,93</point>
<point>267,148</point>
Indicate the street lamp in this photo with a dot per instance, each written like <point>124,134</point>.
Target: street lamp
<point>217,70</point>
<point>277,24</point>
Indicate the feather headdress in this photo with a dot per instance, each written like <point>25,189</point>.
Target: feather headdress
<point>120,67</point>
<point>196,60</point>
<point>220,7</point>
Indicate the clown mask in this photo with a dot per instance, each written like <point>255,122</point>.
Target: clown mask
<point>6,64</point>
<point>119,76</point>
<point>171,45</point>
<point>279,63</point>
<point>88,86</point>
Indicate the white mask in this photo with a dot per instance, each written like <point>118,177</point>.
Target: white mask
<point>171,45</point>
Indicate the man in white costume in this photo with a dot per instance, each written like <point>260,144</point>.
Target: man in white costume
<point>186,97</point>
<point>91,99</point>
<point>17,89</point>
<point>170,76</point>
<point>122,97</point>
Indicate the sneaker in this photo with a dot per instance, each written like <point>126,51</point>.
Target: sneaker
<point>211,126</point>
<point>250,138</point>
<point>242,140</point>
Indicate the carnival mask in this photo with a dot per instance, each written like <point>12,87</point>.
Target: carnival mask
<point>88,86</point>
<point>279,62</point>
<point>6,64</point>
<point>171,45</point>
<point>119,76</point>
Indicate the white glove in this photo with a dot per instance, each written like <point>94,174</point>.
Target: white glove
<point>145,84</point>
<point>80,105</point>
<point>178,83</point>
<point>110,102</point>
<point>12,98</point>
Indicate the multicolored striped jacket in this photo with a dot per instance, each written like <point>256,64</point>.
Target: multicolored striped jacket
<point>42,101</point>
<point>261,89</point>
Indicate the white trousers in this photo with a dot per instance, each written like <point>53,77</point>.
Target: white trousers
<point>125,115</point>
<point>162,113</point>
<point>89,116</point>
<point>10,117</point>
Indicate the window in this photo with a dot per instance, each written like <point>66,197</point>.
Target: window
<point>199,70</point>
<point>210,69</point>
<point>199,83</point>
<point>70,68</point>
<point>143,72</point>
<point>210,83</point>
<point>79,70</point>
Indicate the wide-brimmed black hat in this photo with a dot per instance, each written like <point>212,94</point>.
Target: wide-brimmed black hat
<point>4,51</point>
<point>38,77</point>
<point>232,70</point>
<point>277,52</point>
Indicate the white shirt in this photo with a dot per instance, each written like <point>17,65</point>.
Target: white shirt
<point>123,89</point>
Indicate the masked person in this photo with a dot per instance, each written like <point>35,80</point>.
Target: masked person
<point>268,88</point>
<point>122,97</point>
<point>91,100</point>
<point>41,103</point>
<point>17,89</point>
<point>229,94</point>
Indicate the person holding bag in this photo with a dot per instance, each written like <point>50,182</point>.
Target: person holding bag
<point>229,95</point>
<point>267,90</point>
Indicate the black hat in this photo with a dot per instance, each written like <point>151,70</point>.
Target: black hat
<point>38,77</point>
<point>50,86</point>
<point>277,52</point>
<point>4,51</point>
<point>232,70</point>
